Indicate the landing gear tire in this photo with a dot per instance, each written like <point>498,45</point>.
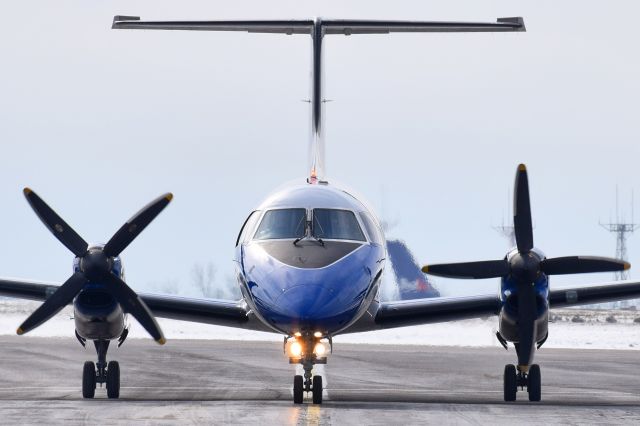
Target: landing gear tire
<point>113,379</point>
<point>510,382</point>
<point>534,387</point>
<point>317,389</point>
<point>89,380</point>
<point>298,389</point>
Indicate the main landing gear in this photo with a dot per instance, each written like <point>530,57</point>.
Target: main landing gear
<point>523,377</point>
<point>307,350</point>
<point>101,373</point>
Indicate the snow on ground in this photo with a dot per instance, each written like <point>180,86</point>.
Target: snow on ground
<point>598,330</point>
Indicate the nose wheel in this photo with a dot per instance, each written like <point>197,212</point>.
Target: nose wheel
<point>299,388</point>
<point>316,389</point>
<point>532,380</point>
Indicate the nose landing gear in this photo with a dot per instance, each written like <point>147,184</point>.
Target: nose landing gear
<point>305,354</point>
<point>101,372</point>
<point>523,377</point>
<point>308,383</point>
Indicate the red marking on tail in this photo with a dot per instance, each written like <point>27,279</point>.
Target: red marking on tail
<point>422,284</point>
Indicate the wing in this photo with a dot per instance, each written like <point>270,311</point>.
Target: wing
<point>209,311</point>
<point>605,292</point>
<point>426,311</point>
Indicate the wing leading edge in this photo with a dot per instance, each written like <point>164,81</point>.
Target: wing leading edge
<point>427,311</point>
<point>209,311</point>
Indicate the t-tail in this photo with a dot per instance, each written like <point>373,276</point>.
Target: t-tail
<point>317,29</point>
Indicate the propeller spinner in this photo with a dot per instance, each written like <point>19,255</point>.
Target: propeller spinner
<point>95,264</point>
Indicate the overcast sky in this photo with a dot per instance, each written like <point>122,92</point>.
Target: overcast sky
<point>428,127</point>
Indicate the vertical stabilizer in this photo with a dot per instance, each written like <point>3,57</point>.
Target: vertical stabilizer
<point>318,28</point>
<point>317,101</point>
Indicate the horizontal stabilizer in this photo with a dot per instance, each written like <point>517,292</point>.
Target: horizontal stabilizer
<point>330,26</point>
<point>276,27</point>
<point>348,27</point>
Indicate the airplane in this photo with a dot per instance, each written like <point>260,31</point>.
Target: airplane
<point>309,259</point>
<point>411,283</point>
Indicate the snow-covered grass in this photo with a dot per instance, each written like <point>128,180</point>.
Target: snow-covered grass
<point>597,331</point>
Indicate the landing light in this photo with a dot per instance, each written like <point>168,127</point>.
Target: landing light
<point>295,349</point>
<point>317,334</point>
<point>320,349</point>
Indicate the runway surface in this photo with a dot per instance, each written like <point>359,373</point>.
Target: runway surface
<point>212,381</point>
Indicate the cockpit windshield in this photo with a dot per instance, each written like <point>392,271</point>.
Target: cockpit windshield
<point>282,223</point>
<point>330,224</point>
<point>335,224</point>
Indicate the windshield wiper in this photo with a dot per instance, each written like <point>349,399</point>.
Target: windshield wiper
<point>318,239</point>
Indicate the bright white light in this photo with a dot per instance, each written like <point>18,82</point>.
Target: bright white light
<point>295,349</point>
<point>297,334</point>
<point>317,334</point>
<point>319,349</point>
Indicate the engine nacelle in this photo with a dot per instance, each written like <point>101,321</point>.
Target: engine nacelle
<point>508,326</point>
<point>98,315</point>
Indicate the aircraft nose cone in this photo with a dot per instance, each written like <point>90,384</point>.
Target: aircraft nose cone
<point>307,302</point>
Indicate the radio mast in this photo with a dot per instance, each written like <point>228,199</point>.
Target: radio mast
<point>622,229</point>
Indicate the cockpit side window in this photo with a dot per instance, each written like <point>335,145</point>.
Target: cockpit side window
<point>375,235</point>
<point>337,225</point>
<point>282,223</point>
<point>247,226</point>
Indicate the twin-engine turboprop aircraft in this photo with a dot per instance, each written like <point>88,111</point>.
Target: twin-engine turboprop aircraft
<point>310,258</point>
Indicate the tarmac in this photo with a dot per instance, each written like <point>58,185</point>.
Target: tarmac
<point>249,382</point>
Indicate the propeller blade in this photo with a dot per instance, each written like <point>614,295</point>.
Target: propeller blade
<point>58,300</point>
<point>132,304</point>
<point>581,265</point>
<point>134,226</point>
<point>58,227</point>
<point>523,227</point>
<point>475,270</point>
<point>527,312</point>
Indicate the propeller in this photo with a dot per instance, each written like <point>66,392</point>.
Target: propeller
<point>525,265</point>
<point>95,264</point>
